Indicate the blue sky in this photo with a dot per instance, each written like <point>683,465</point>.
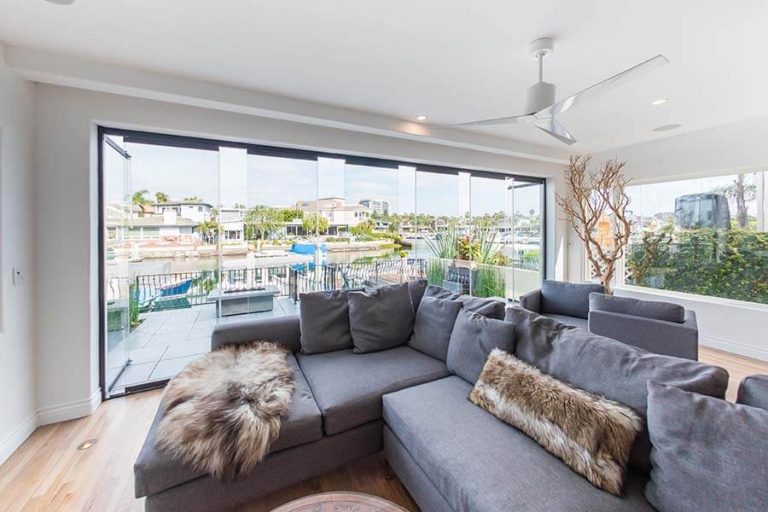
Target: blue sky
<point>252,179</point>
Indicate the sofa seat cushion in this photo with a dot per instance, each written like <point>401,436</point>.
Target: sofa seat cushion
<point>155,470</point>
<point>479,463</point>
<point>573,321</point>
<point>348,387</point>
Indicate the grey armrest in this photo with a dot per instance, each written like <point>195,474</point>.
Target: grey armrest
<point>531,301</point>
<point>657,336</point>
<point>284,330</point>
<point>753,391</point>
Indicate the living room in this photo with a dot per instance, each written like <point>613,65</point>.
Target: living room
<point>556,185</point>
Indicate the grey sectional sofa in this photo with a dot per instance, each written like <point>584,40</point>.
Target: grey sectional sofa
<point>451,455</point>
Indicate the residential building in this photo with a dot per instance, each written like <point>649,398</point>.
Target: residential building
<point>376,206</point>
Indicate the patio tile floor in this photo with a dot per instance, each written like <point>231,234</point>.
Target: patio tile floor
<point>167,341</point>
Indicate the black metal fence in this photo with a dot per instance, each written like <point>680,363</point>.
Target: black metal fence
<point>154,292</point>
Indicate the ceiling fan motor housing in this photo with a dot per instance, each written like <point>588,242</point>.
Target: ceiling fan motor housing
<point>540,96</point>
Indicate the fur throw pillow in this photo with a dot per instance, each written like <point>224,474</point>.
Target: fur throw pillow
<point>222,412</point>
<point>591,434</point>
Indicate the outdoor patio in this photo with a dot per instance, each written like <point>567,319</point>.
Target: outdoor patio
<point>166,341</point>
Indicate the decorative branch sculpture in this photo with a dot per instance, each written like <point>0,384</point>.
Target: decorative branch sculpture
<point>598,197</point>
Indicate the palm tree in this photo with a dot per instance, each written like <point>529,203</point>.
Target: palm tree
<point>162,197</point>
<point>315,224</point>
<point>209,230</point>
<point>139,200</point>
<point>740,193</point>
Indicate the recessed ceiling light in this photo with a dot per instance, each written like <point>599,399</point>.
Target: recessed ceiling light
<point>61,2</point>
<point>421,117</point>
<point>667,127</point>
<point>659,101</point>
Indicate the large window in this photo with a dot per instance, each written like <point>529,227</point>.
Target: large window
<point>705,236</point>
<point>199,232</point>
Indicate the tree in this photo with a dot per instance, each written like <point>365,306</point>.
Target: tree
<point>315,223</point>
<point>193,199</point>
<point>260,221</point>
<point>162,197</point>
<point>597,200</point>
<point>290,214</point>
<point>142,202</point>
<point>209,230</point>
<point>739,193</point>
<point>364,228</point>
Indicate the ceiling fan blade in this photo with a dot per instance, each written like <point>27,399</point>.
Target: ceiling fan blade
<point>497,121</point>
<point>555,129</point>
<point>601,87</point>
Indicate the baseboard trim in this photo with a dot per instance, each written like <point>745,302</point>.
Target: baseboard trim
<point>734,348</point>
<point>15,439</point>
<point>70,411</point>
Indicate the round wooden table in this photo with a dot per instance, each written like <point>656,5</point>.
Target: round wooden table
<point>334,501</point>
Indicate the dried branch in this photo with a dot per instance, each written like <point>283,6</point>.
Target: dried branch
<point>594,195</point>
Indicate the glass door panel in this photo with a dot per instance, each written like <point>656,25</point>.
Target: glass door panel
<point>119,309</point>
<point>528,237</point>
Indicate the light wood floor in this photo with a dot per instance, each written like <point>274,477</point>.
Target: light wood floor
<point>47,473</point>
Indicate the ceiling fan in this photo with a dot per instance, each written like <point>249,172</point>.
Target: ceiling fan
<point>541,107</point>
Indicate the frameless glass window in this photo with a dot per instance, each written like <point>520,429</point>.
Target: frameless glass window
<point>705,236</point>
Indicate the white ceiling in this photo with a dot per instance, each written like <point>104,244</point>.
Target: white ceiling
<point>452,60</point>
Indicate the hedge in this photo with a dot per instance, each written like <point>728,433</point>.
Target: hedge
<point>719,263</point>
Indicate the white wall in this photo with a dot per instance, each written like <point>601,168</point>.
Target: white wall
<point>739,147</point>
<point>66,228</point>
<point>17,346</point>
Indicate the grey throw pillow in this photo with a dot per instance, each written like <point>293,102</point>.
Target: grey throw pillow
<point>440,293</point>
<point>380,319</point>
<point>416,288</point>
<point>753,391</point>
<point>708,455</point>
<point>487,307</point>
<point>324,321</point>
<point>491,308</point>
<point>474,337</point>
<point>665,311</point>
<point>433,327</point>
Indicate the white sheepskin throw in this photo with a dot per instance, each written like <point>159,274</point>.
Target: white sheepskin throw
<point>222,412</point>
<point>591,434</point>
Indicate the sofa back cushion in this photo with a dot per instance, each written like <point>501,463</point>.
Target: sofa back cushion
<point>753,391</point>
<point>416,288</point>
<point>608,367</point>
<point>708,455</point>
<point>433,326</point>
<point>324,321</point>
<point>473,338</point>
<point>571,299</point>
<point>665,311</point>
<point>380,319</point>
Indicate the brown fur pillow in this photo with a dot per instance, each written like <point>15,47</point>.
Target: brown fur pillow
<point>222,412</point>
<point>591,434</point>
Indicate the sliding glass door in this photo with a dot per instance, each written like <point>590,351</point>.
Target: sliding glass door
<point>199,232</point>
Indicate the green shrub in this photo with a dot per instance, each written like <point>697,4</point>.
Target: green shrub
<point>719,263</point>
<point>489,282</point>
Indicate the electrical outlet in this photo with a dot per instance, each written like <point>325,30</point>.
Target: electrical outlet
<point>18,276</point>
